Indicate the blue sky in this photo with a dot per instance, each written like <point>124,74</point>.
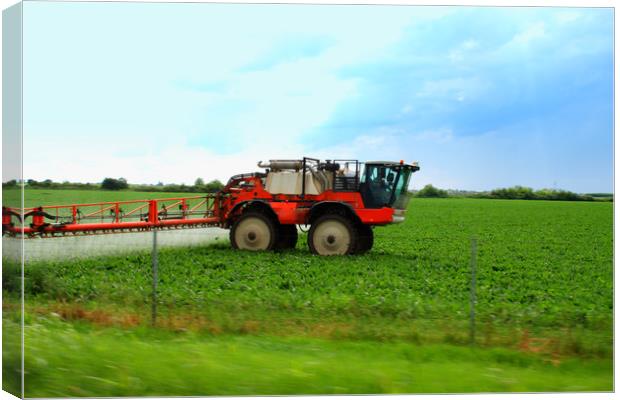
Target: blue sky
<point>481,97</point>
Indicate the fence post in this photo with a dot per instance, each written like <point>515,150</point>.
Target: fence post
<point>472,293</point>
<point>154,288</point>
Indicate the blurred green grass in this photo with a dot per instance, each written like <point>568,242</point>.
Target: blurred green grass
<point>68,360</point>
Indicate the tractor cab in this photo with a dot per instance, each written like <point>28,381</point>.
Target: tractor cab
<point>385,184</point>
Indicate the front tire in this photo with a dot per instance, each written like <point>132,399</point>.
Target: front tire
<point>332,234</point>
<point>253,231</point>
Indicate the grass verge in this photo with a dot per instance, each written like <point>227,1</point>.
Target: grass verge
<point>77,359</point>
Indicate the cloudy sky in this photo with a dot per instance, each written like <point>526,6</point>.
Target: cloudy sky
<point>481,97</point>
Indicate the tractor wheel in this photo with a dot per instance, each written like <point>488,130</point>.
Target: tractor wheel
<point>287,237</point>
<point>366,239</point>
<point>253,231</point>
<point>332,234</point>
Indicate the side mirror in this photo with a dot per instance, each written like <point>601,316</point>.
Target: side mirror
<point>390,177</point>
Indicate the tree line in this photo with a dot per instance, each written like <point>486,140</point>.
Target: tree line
<point>429,191</point>
<point>515,193</point>
<point>199,185</point>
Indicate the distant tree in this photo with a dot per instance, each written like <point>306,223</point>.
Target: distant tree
<point>114,184</point>
<point>526,193</point>
<point>32,182</point>
<point>214,186</point>
<point>431,191</point>
<point>171,187</point>
<point>515,192</point>
<point>199,182</point>
<point>109,184</point>
<point>10,184</point>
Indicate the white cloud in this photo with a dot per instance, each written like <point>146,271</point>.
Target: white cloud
<point>566,17</point>
<point>140,121</point>
<point>531,33</point>
<point>470,44</point>
<point>459,89</point>
<point>459,54</point>
<point>177,163</point>
<point>287,101</point>
<point>383,143</point>
<point>439,136</point>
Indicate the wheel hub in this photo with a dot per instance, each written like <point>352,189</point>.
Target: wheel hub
<point>253,234</point>
<point>332,238</point>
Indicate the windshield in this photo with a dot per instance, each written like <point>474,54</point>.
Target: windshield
<point>401,193</point>
<point>385,185</point>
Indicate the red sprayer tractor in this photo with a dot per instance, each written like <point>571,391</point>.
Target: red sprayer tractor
<point>341,200</point>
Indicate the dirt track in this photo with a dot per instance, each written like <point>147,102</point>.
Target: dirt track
<point>95,245</point>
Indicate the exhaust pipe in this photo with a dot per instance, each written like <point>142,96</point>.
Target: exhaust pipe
<point>277,165</point>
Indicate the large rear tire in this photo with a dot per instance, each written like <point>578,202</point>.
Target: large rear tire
<point>287,238</point>
<point>253,231</point>
<point>332,234</point>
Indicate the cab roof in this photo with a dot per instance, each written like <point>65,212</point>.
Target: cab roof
<point>413,165</point>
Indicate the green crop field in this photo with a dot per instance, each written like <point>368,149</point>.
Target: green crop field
<point>42,197</point>
<point>394,320</point>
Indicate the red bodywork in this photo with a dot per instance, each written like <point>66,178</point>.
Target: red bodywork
<point>295,209</point>
<point>219,209</point>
